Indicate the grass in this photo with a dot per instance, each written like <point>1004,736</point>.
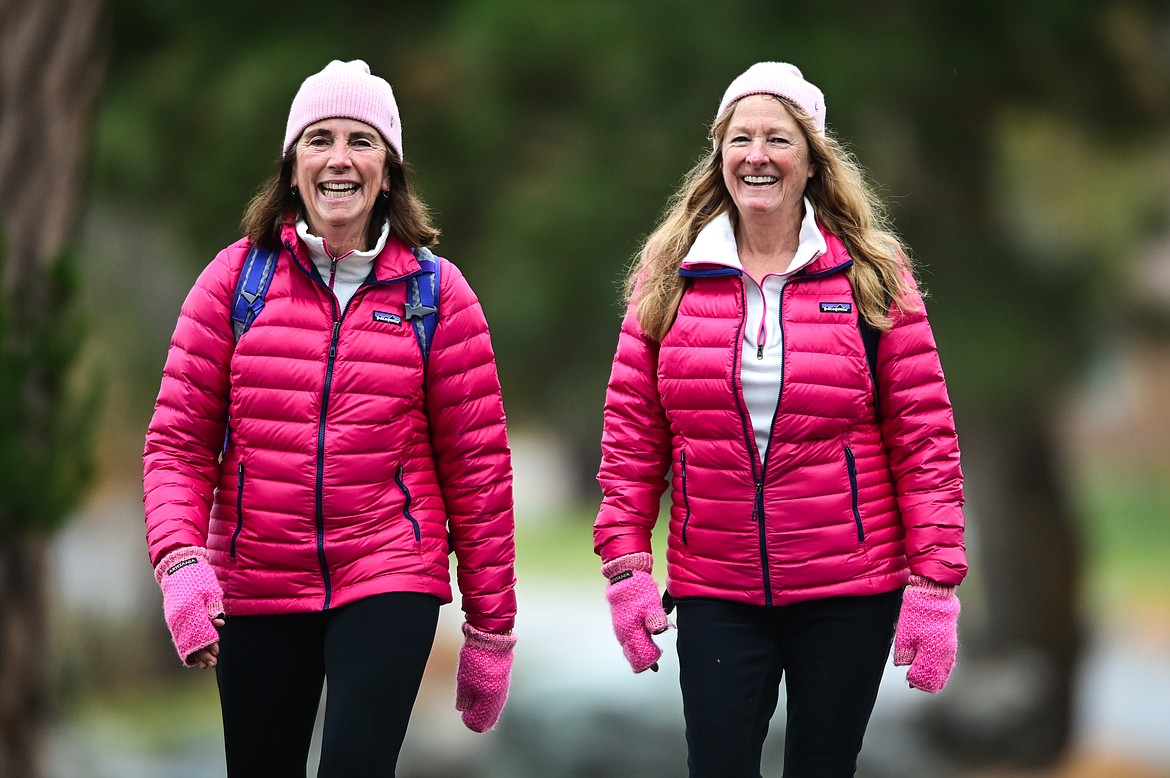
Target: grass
<point>556,547</point>
<point>560,548</point>
<point>1126,535</point>
<point>156,716</point>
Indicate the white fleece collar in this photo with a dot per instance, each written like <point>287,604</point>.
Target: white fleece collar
<point>353,267</point>
<point>715,244</point>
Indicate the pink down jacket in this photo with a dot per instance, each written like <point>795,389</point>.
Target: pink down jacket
<point>345,474</point>
<point>842,505</point>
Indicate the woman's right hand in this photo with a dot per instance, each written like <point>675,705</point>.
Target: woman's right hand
<point>207,657</point>
<point>192,605</point>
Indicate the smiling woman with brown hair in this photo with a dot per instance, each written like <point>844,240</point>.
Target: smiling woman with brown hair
<point>312,543</point>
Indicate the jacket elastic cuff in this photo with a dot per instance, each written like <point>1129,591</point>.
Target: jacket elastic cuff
<point>641,560</point>
<point>931,587</point>
<point>500,642</point>
<point>175,557</point>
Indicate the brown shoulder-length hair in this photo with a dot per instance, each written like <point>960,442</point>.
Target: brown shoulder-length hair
<point>409,217</point>
<point>845,204</point>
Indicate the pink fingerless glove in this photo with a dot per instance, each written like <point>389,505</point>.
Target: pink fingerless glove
<point>483,677</point>
<point>927,637</point>
<point>636,608</point>
<point>192,597</point>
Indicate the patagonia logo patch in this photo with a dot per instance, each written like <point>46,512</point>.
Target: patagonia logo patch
<point>181,565</point>
<point>382,317</point>
<point>836,307</point>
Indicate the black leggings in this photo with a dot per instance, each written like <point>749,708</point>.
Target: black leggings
<point>831,654</point>
<point>271,671</point>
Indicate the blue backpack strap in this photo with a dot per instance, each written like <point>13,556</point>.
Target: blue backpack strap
<point>252,285</point>
<point>248,300</point>
<point>422,301</point>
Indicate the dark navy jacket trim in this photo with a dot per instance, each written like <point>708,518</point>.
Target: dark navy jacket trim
<point>712,273</point>
<point>731,271</point>
<point>821,273</point>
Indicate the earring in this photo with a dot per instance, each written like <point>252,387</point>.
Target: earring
<point>295,192</point>
<point>386,193</point>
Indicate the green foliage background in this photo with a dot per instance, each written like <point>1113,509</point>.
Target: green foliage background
<point>548,136</point>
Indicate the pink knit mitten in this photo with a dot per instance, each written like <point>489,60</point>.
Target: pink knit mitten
<point>483,677</point>
<point>636,608</point>
<point>927,636</point>
<point>192,597</point>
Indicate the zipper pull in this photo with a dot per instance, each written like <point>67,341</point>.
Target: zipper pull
<point>333,340</point>
<point>760,352</point>
<point>759,501</point>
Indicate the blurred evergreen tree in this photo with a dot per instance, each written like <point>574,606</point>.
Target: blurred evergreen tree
<point>52,61</point>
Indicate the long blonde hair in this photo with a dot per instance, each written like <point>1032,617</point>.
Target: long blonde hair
<point>845,204</point>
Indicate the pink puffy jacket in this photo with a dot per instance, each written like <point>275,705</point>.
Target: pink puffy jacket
<point>839,507</point>
<point>344,476</point>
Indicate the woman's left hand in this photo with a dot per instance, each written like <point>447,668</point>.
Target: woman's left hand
<point>483,677</point>
<point>927,637</point>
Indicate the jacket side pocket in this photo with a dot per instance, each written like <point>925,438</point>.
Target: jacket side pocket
<point>239,508</point>
<point>851,464</point>
<point>400,479</point>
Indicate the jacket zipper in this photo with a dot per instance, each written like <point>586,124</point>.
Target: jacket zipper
<point>759,507</point>
<point>319,481</point>
<point>758,473</point>
<point>320,485</point>
<point>762,331</point>
<point>750,440</point>
<point>851,462</point>
<point>686,497</point>
<point>319,489</point>
<point>239,507</point>
<point>398,479</point>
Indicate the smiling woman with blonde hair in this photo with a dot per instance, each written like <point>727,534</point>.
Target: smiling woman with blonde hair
<point>776,369</point>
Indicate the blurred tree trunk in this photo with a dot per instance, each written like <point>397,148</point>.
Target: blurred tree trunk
<point>1013,338</point>
<point>52,57</point>
<point>1032,552</point>
<point>1015,696</point>
<point>23,677</point>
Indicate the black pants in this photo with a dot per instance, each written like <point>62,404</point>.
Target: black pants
<point>272,668</point>
<point>831,654</point>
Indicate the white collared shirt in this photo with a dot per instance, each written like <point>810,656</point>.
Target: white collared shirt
<point>762,363</point>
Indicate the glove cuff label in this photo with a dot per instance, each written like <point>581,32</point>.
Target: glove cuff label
<point>175,568</point>
<point>622,576</point>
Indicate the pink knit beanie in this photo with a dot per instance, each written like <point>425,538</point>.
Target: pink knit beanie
<point>345,90</point>
<point>782,80</point>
